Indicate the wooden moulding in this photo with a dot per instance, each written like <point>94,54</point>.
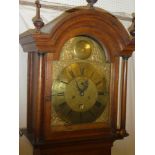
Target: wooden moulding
<point>93,148</point>
<point>95,23</point>
<point>129,49</point>
<point>45,46</point>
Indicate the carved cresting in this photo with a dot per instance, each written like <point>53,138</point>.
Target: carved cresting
<point>37,20</point>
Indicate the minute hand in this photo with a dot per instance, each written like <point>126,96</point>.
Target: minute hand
<point>79,89</point>
<point>85,85</point>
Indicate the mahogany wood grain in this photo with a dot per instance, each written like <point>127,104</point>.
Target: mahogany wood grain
<point>124,93</point>
<point>114,92</point>
<point>45,47</point>
<point>67,132</point>
<point>29,92</point>
<point>97,23</point>
<point>39,96</point>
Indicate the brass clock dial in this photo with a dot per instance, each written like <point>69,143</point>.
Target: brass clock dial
<point>81,83</point>
<point>79,93</point>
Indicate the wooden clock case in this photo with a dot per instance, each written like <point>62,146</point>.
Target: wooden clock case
<point>43,46</point>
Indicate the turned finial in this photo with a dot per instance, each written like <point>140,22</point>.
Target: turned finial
<point>37,20</point>
<point>91,2</point>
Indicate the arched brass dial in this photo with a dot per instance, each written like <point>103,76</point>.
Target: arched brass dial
<point>79,93</point>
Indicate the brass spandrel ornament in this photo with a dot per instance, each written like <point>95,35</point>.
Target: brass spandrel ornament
<point>80,91</point>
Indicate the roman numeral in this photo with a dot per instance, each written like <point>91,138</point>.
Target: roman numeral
<point>98,104</point>
<point>71,73</point>
<point>92,113</point>
<point>61,94</point>
<point>69,112</point>
<point>99,82</point>
<point>64,82</point>
<point>92,74</point>
<point>102,93</point>
<point>62,105</point>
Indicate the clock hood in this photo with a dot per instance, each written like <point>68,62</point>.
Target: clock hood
<point>80,21</point>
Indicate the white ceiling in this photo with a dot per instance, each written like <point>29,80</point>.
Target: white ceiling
<point>26,13</point>
<point>127,6</point>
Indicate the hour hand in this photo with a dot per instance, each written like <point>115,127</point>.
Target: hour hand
<point>77,86</point>
<point>85,85</point>
<point>81,91</point>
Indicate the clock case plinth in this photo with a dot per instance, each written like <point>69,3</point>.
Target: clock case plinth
<point>44,45</point>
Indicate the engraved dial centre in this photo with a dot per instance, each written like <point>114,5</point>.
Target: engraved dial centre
<point>81,94</point>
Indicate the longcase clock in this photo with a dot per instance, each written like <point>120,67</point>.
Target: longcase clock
<point>74,82</point>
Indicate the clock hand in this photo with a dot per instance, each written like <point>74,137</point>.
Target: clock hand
<point>82,90</point>
<point>79,89</point>
<point>85,85</point>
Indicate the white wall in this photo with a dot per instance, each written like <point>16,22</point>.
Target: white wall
<point>122,147</point>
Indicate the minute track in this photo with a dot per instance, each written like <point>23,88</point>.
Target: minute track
<point>82,99</point>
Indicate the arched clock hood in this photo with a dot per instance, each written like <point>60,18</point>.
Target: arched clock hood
<point>93,22</point>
